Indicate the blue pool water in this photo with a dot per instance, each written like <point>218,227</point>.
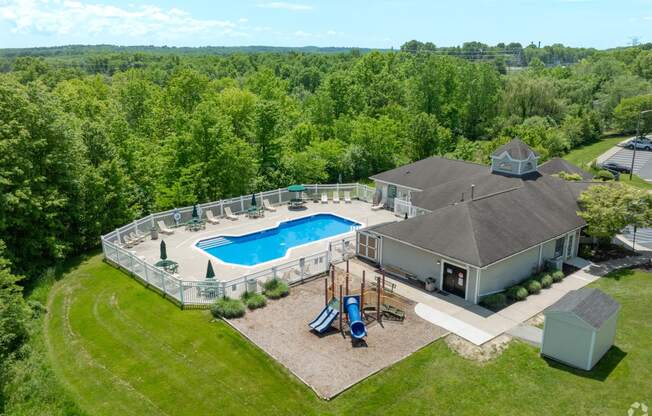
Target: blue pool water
<point>273,243</point>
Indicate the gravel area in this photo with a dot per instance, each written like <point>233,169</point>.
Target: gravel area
<point>330,363</point>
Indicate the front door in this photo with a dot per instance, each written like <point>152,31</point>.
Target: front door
<point>455,280</point>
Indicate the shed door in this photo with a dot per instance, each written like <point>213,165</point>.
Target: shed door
<point>368,246</point>
<point>455,280</point>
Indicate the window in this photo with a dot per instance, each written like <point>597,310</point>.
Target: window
<point>391,191</point>
<point>559,247</point>
<point>505,166</point>
<point>528,167</point>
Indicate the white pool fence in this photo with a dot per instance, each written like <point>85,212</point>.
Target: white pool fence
<point>204,293</point>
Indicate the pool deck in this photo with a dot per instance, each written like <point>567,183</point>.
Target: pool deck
<point>192,261</point>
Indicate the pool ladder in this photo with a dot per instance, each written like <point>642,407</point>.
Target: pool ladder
<point>216,242</point>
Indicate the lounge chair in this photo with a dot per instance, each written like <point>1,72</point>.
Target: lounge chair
<point>211,218</point>
<point>136,238</point>
<point>324,198</point>
<point>347,197</point>
<point>229,215</point>
<point>268,206</point>
<point>127,242</point>
<point>378,206</point>
<point>164,228</point>
<point>336,197</point>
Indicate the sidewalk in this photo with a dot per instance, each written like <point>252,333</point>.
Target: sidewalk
<point>478,325</point>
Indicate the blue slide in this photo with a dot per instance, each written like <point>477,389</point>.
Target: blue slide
<point>326,317</point>
<point>352,305</point>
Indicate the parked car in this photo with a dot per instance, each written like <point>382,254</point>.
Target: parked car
<point>641,143</point>
<point>615,167</point>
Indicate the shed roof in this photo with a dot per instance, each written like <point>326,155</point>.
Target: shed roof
<point>593,306</point>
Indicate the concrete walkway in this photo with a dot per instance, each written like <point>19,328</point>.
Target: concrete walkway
<point>527,333</point>
<point>479,325</point>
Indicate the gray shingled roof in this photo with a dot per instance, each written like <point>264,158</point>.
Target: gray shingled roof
<point>593,306</point>
<point>430,172</point>
<point>516,149</point>
<point>557,164</point>
<point>488,229</point>
<point>485,184</point>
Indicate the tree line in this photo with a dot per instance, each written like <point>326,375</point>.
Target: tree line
<point>88,142</point>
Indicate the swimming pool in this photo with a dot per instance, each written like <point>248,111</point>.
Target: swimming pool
<point>273,243</point>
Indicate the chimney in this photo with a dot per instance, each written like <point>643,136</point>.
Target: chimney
<point>472,191</point>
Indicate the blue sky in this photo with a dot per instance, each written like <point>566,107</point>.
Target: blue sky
<point>377,24</point>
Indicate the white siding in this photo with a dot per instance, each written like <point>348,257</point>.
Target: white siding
<point>604,339</point>
<point>421,263</point>
<point>567,339</point>
<point>509,272</point>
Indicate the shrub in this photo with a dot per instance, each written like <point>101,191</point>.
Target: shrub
<point>495,301</point>
<point>557,276</point>
<point>546,281</point>
<point>517,293</point>
<point>228,308</point>
<point>533,286</point>
<point>604,175</point>
<point>570,176</point>
<point>254,300</point>
<point>276,289</point>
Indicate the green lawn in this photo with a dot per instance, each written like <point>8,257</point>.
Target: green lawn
<point>122,349</point>
<point>583,156</point>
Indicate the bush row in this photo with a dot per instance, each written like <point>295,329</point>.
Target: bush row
<point>516,293</point>
<point>235,308</point>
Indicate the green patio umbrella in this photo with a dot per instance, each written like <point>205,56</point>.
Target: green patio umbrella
<point>164,251</point>
<point>296,188</point>
<point>253,200</point>
<point>195,214</point>
<point>210,273</point>
<point>164,262</point>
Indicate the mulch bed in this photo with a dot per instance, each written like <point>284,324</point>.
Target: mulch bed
<point>604,252</point>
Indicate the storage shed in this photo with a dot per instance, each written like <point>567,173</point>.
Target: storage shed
<point>580,328</point>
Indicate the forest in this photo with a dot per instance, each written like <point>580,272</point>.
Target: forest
<point>92,139</point>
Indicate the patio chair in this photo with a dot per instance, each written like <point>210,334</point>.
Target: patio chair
<point>324,198</point>
<point>378,206</point>
<point>136,238</point>
<point>127,242</point>
<point>164,228</point>
<point>211,218</point>
<point>268,206</point>
<point>347,197</point>
<point>336,197</point>
<point>229,215</point>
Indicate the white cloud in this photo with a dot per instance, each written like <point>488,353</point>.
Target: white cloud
<point>64,17</point>
<point>286,6</point>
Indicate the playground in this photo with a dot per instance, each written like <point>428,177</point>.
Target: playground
<point>334,360</point>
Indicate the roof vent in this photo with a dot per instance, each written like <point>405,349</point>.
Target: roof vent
<point>472,191</point>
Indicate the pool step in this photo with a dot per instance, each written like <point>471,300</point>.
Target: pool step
<point>216,242</point>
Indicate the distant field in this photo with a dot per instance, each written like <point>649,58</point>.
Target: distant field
<point>121,349</point>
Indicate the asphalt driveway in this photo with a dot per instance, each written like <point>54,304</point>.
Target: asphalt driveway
<point>642,163</point>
